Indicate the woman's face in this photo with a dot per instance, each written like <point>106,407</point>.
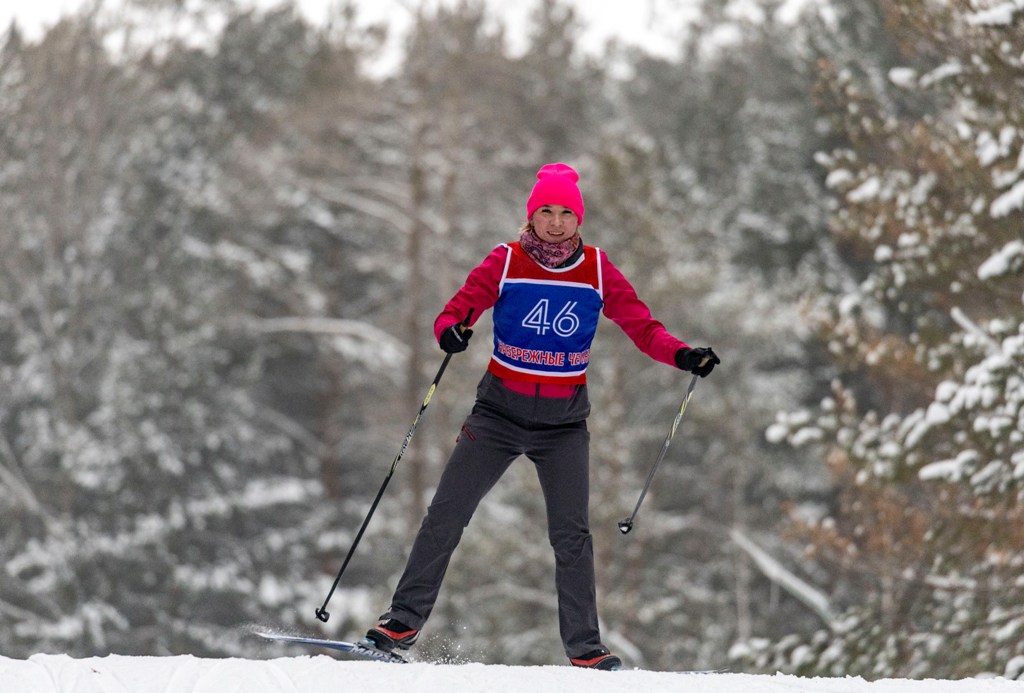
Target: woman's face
<point>554,223</point>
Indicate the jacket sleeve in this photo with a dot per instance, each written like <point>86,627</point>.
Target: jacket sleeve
<point>623,307</point>
<point>479,293</point>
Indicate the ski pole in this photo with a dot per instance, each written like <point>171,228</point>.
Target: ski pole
<point>626,525</point>
<point>321,613</point>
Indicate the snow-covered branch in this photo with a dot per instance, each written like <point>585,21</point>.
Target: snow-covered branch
<point>961,319</point>
<point>355,339</point>
<point>816,600</point>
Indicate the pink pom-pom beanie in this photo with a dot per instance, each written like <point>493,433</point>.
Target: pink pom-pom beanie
<point>556,185</point>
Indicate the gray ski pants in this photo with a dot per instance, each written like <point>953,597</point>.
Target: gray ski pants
<point>503,425</point>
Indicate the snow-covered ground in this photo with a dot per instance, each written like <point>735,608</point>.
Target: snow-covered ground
<point>322,674</point>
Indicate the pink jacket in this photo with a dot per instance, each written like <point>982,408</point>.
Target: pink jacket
<point>621,305</point>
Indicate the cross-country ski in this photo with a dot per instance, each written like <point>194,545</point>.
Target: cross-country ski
<point>355,648</point>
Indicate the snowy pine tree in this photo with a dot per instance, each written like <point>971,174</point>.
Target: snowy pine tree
<point>923,432</point>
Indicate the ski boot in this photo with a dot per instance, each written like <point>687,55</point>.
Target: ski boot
<point>600,658</point>
<point>390,634</point>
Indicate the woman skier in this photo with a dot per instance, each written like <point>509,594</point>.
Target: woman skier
<point>547,291</point>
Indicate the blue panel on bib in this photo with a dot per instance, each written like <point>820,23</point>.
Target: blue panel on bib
<point>545,327</point>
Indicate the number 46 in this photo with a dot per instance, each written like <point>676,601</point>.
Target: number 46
<point>564,324</point>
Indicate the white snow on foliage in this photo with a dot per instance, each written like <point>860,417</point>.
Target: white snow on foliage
<point>1002,261</point>
<point>1000,14</point>
<point>322,674</point>
<point>949,470</point>
<point>942,72</point>
<point>868,190</point>
<point>903,77</point>
<point>1008,202</point>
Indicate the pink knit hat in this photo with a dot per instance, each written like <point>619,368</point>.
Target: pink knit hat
<point>556,185</point>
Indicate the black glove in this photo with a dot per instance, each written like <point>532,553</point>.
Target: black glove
<point>455,339</point>
<point>699,360</point>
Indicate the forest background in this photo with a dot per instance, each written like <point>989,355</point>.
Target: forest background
<point>221,260</point>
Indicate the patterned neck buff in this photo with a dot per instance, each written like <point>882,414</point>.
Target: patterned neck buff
<point>548,254</point>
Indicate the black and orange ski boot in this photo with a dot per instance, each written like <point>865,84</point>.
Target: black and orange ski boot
<point>597,659</point>
<point>390,634</point>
